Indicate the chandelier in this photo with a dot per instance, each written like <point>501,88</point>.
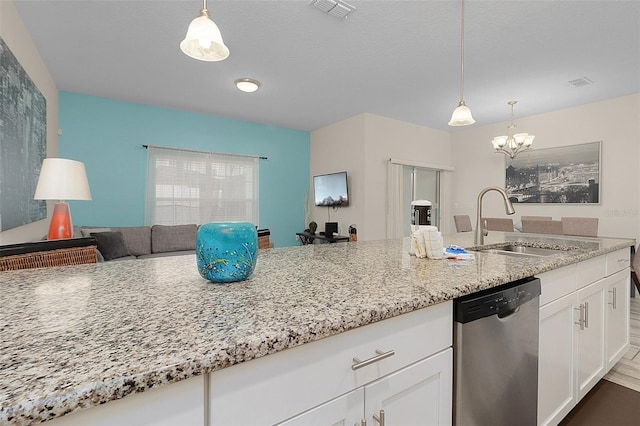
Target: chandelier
<point>513,144</point>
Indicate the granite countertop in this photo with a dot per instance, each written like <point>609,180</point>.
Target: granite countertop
<point>78,336</point>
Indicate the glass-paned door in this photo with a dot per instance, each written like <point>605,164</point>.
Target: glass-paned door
<point>419,183</point>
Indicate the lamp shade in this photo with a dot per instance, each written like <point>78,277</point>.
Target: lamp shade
<point>461,116</point>
<point>62,179</point>
<point>204,41</point>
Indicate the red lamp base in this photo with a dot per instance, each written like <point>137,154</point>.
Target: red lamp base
<point>60,227</point>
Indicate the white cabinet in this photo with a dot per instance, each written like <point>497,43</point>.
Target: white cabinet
<point>617,316</point>
<point>180,403</point>
<point>582,335</point>
<point>556,362</point>
<point>591,362</point>
<point>311,379</point>
<point>419,394</point>
<point>345,410</point>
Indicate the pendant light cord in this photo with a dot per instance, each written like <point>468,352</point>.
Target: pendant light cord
<point>462,55</point>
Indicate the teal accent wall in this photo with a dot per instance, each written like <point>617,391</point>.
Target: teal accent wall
<point>107,135</point>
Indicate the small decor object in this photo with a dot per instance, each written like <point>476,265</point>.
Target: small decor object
<point>312,227</point>
<point>226,251</point>
<point>353,233</point>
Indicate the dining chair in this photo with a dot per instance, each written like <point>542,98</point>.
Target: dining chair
<point>536,218</point>
<point>498,224</point>
<point>462,222</point>
<point>635,268</point>
<point>544,226</point>
<point>580,226</point>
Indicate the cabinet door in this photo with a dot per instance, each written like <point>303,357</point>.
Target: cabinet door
<point>345,410</point>
<point>556,360</point>
<point>180,403</point>
<point>591,360</point>
<point>617,316</point>
<point>420,394</point>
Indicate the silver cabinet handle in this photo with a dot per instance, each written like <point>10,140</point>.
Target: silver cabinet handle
<point>380,418</point>
<point>614,297</point>
<point>580,321</point>
<point>380,356</point>
<point>586,314</point>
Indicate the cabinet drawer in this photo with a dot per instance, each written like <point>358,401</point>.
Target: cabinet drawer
<point>557,283</point>
<point>275,387</point>
<point>592,270</point>
<point>618,260</point>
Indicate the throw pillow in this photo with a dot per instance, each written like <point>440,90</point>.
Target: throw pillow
<point>111,245</point>
<point>86,232</point>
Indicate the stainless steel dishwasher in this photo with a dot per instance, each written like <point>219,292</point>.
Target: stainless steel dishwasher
<point>496,355</point>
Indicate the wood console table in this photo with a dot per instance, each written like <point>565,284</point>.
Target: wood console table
<point>307,237</point>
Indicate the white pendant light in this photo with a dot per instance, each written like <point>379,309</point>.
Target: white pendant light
<point>203,40</point>
<point>512,144</point>
<point>462,114</point>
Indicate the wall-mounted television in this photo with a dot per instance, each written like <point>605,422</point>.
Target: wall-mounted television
<point>331,190</point>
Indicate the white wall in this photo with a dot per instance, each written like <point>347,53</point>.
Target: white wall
<point>15,35</point>
<point>615,122</point>
<point>362,145</point>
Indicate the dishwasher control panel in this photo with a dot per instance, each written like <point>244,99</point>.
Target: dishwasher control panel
<point>496,301</point>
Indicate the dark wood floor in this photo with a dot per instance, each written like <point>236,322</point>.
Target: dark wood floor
<point>615,400</point>
<point>607,404</point>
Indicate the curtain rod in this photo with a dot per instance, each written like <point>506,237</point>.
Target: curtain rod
<point>205,152</point>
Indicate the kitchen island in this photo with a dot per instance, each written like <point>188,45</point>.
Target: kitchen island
<point>81,336</point>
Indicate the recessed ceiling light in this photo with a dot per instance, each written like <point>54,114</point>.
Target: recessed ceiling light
<point>248,85</point>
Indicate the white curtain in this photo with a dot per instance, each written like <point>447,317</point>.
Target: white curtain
<point>185,187</point>
<point>394,200</point>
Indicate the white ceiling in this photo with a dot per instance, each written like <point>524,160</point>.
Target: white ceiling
<point>395,58</point>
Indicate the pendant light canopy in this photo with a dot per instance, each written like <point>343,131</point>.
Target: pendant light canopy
<point>203,40</point>
<point>462,114</point>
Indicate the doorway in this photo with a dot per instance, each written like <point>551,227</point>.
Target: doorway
<point>419,183</point>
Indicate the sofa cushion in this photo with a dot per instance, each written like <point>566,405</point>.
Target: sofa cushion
<point>173,238</point>
<point>111,245</point>
<point>136,238</point>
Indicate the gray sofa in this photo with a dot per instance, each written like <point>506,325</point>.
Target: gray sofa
<point>117,243</point>
<point>130,242</point>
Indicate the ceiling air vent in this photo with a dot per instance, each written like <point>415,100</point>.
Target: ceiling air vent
<point>580,82</point>
<point>337,9</point>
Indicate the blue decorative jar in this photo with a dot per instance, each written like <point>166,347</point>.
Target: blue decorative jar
<point>226,251</point>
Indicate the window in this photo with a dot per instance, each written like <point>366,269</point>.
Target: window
<point>186,187</point>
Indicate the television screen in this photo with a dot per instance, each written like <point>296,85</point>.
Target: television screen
<point>331,189</point>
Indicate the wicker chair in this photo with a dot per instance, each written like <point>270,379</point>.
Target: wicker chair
<point>44,254</point>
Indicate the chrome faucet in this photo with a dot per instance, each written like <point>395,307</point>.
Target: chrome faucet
<point>481,229</point>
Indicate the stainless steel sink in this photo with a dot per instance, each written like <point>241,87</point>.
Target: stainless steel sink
<point>515,250</point>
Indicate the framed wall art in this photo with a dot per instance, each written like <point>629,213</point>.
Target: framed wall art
<point>567,175</point>
<point>23,143</point>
